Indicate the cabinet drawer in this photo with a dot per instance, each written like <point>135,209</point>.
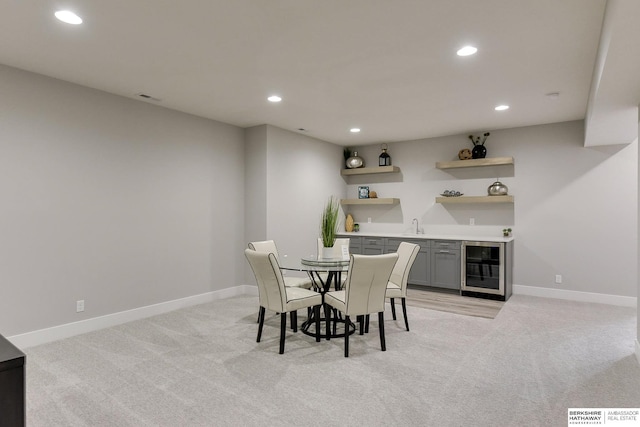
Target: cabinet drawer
<point>352,240</point>
<point>445,244</point>
<point>392,244</point>
<point>372,241</point>
<point>372,245</point>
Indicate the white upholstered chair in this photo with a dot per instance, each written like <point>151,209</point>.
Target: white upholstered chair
<point>363,293</point>
<point>397,286</point>
<point>274,295</point>
<point>269,246</point>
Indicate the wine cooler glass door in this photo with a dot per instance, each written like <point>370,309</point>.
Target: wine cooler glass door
<point>483,267</point>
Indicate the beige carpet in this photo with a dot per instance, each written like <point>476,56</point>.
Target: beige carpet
<point>451,302</point>
<point>201,367</point>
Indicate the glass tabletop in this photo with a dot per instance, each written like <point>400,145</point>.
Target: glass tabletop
<point>313,263</point>
<point>324,262</point>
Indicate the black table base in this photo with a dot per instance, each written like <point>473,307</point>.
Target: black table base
<point>308,326</point>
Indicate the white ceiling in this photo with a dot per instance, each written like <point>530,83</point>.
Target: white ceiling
<point>388,67</point>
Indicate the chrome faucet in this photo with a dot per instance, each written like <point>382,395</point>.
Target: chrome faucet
<point>415,220</point>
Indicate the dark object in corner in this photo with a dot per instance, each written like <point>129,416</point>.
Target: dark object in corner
<point>12,385</point>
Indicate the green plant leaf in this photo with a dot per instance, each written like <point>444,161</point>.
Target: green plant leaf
<point>329,222</point>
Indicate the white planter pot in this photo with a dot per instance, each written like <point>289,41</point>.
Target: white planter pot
<point>327,252</point>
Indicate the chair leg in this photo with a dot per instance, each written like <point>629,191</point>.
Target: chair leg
<point>393,308</point>
<point>366,324</point>
<point>346,336</point>
<point>316,311</point>
<point>283,330</point>
<point>335,321</point>
<point>361,322</point>
<point>260,322</point>
<point>327,316</point>
<point>294,321</point>
<point>381,326</point>
<point>404,312</point>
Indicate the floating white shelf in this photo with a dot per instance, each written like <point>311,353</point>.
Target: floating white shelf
<point>365,171</point>
<point>373,201</point>
<point>496,161</point>
<point>475,199</point>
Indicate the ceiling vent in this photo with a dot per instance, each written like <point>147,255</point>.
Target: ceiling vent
<point>147,97</point>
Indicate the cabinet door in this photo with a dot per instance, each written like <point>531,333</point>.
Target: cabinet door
<point>445,268</point>
<point>372,250</point>
<point>355,245</point>
<point>391,244</point>
<point>419,274</point>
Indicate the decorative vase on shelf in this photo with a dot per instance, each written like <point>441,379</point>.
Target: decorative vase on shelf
<point>479,152</point>
<point>348,223</point>
<point>497,189</point>
<point>355,161</point>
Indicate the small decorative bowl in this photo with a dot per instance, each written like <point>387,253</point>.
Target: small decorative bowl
<point>451,193</point>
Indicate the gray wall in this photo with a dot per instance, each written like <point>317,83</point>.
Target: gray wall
<point>289,178</point>
<point>126,204</point>
<point>575,210</point>
<point>255,187</point>
<point>114,201</point>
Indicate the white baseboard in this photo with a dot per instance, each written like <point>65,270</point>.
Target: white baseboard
<point>576,295</point>
<point>67,330</point>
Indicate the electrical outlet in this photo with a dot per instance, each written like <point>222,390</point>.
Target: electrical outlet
<point>79,306</point>
<point>558,278</point>
<point>369,220</point>
<point>472,221</point>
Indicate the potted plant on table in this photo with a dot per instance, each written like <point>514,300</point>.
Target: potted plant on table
<point>329,223</point>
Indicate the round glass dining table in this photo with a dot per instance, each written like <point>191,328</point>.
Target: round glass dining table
<point>313,266</point>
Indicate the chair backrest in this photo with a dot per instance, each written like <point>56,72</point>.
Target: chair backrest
<point>337,247</point>
<point>266,246</point>
<point>407,253</point>
<point>271,289</point>
<point>367,283</point>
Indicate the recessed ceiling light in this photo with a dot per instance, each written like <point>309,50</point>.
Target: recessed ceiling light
<point>274,98</point>
<point>467,50</point>
<point>68,17</point>
<point>354,130</point>
<point>502,107</point>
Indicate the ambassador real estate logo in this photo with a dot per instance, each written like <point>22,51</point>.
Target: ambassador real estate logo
<point>603,416</point>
